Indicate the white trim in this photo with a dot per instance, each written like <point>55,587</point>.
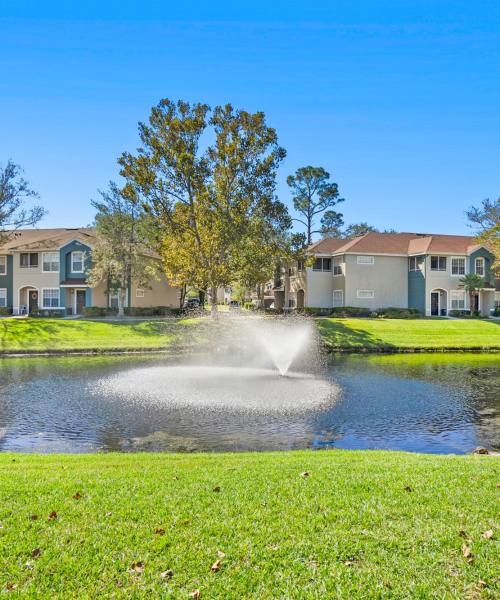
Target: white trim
<point>438,256</point>
<point>451,299</point>
<point>3,291</point>
<point>28,287</point>
<point>341,292</point>
<point>82,261</point>
<point>43,307</point>
<point>75,285</point>
<point>4,256</point>
<point>464,258</point>
<point>481,258</point>
<point>139,293</point>
<point>56,252</point>
<point>438,292</point>
<point>368,263</point>
<point>340,264</point>
<point>365,297</point>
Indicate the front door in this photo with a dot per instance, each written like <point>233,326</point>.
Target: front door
<point>80,301</point>
<point>33,300</point>
<point>475,303</point>
<point>435,303</point>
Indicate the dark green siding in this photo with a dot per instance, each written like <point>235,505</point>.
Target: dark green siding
<point>416,291</point>
<point>6,280</point>
<point>488,259</point>
<point>65,260</point>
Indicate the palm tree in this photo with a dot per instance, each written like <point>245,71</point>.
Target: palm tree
<point>472,284</point>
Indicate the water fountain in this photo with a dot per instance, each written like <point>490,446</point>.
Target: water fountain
<point>256,364</point>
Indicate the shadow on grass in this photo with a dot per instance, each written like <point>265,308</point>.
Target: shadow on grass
<point>14,330</point>
<point>336,334</point>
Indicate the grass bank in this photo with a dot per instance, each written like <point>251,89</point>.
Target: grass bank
<point>61,335</point>
<point>360,525</point>
<point>401,334</point>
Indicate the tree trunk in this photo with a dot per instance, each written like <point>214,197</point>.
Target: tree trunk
<point>182,296</point>
<point>201,296</point>
<point>121,302</point>
<point>213,302</point>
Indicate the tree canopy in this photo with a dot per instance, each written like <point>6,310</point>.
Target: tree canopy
<point>486,220</point>
<point>313,193</point>
<point>14,192</point>
<point>206,179</point>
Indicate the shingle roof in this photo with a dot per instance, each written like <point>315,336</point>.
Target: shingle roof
<point>398,243</point>
<point>44,239</point>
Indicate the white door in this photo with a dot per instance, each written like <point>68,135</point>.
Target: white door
<point>338,298</point>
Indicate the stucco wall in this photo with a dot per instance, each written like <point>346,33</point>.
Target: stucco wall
<point>387,277</point>
<point>159,293</point>
<point>32,277</point>
<point>319,289</point>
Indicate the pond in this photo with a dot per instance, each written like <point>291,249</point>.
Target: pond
<point>420,403</point>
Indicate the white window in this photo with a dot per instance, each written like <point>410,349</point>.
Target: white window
<point>457,298</point>
<point>479,266</point>
<point>300,265</point>
<point>337,266</point>
<point>365,294</point>
<point>3,297</point>
<point>457,265</point>
<point>28,260</point>
<point>416,263</point>
<point>322,264</point>
<point>366,260</point>
<point>50,298</point>
<point>50,262</point>
<point>438,263</point>
<point>139,293</point>
<point>3,265</point>
<point>77,261</point>
<point>497,299</point>
<point>338,298</point>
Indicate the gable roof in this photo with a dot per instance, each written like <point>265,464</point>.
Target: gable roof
<point>398,243</point>
<point>45,239</point>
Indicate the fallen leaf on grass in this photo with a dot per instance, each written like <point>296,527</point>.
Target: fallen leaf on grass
<point>466,551</point>
<point>216,489</point>
<point>77,496</point>
<point>488,534</point>
<point>482,583</point>
<point>53,515</point>
<point>195,594</point>
<point>11,586</point>
<point>36,552</point>
<point>137,567</point>
<point>33,517</point>
<point>108,514</point>
<point>28,565</point>
<point>220,554</point>
<point>304,474</point>
<point>408,488</point>
<point>168,574</point>
<point>349,563</point>
<point>216,566</point>
<point>462,534</point>
<point>159,531</point>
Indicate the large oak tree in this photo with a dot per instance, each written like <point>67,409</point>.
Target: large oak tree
<point>207,179</point>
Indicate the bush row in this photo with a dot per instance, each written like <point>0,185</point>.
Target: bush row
<point>356,311</point>
<point>132,311</point>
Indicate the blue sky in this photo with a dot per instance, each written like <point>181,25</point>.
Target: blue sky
<point>398,100</point>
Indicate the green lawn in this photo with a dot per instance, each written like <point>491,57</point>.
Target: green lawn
<point>361,525</point>
<point>412,333</point>
<point>61,334</point>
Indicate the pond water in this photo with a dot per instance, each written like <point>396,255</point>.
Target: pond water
<point>420,403</point>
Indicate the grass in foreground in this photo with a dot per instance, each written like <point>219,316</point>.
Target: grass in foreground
<point>62,334</point>
<point>402,333</point>
<point>360,525</point>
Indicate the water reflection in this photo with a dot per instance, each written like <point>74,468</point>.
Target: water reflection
<point>431,403</point>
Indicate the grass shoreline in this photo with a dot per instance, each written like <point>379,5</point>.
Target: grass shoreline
<point>297,524</point>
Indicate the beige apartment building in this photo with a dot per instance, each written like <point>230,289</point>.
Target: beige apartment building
<point>47,269</point>
<point>381,270</point>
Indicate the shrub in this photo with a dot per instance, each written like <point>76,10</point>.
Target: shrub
<point>98,311</point>
<point>496,312</point>
<point>317,311</point>
<point>43,313</point>
<point>350,311</point>
<point>249,305</point>
<point>5,310</point>
<point>398,313</point>
<point>152,311</point>
<point>459,313</point>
